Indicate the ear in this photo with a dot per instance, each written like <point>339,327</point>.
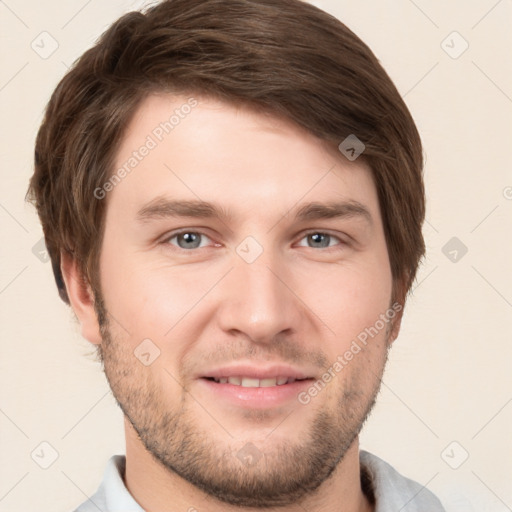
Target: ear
<point>396,322</point>
<point>398,306</point>
<point>81,298</point>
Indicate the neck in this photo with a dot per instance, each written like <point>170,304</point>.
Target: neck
<point>158,489</point>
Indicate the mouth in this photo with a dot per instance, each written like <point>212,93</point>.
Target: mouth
<point>249,385</point>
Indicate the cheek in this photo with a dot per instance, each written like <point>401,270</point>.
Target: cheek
<point>132,294</point>
<point>349,298</point>
<point>153,300</point>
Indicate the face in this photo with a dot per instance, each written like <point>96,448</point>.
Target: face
<point>281,275</point>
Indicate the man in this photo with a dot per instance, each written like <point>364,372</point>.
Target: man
<point>231,194</point>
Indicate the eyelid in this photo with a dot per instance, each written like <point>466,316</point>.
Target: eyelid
<point>302,235</point>
<point>324,232</point>
<point>173,234</point>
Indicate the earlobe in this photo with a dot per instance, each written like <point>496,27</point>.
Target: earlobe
<point>81,298</point>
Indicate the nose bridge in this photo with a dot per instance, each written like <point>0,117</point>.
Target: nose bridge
<point>260,304</point>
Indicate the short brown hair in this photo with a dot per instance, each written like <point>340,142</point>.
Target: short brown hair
<point>285,57</point>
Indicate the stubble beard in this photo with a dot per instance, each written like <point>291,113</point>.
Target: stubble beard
<point>285,473</point>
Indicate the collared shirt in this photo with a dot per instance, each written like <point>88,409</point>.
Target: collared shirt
<point>391,491</point>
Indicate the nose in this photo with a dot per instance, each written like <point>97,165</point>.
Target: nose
<point>259,300</point>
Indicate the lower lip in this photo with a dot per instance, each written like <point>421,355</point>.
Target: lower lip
<point>256,397</point>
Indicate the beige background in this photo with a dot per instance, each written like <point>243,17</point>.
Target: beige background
<point>449,376</point>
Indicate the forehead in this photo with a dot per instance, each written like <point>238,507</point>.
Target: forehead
<point>203,149</point>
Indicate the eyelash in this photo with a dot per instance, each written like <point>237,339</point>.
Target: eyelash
<point>173,235</point>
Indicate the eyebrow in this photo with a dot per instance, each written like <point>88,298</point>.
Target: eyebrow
<point>161,208</point>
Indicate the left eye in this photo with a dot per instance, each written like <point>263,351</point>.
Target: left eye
<point>320,240</point>
<point>192,240</point>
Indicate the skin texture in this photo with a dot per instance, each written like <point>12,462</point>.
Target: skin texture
<point>301,302</point>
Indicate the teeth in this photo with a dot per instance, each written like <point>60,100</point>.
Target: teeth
<point>266,383</point>
<point>249,382</point>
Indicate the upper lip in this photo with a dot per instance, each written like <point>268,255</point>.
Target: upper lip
<point>258,372</point>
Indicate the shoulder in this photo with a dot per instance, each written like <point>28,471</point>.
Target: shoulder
<point>112,494</point>
<point>393,491</point>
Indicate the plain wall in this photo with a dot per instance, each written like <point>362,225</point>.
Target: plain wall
<point>449,375</point>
